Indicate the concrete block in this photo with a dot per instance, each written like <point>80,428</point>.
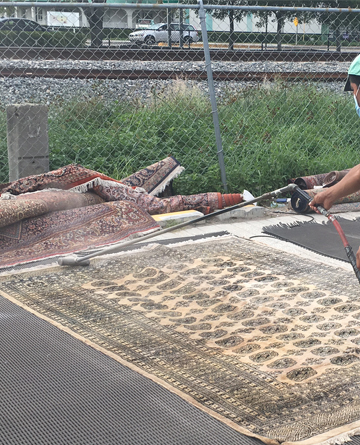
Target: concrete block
<point>27,139</point>
<point>248,212</point>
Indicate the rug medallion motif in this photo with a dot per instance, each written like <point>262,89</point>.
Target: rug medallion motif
<point>268,342</point>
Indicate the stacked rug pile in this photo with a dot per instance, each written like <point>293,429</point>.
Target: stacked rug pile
<point>73,209</point>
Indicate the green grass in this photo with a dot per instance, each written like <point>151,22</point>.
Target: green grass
<point>269,134</point>
<point>280,133</point>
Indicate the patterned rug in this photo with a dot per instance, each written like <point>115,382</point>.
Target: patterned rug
<point>322,179</point>
<point>156,177</point>
<point>152,179</point>
<point>73,209</point>
<point>68,231</point>
<point>261,340</point>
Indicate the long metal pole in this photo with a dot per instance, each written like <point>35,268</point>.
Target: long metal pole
<point>84,261</point>
<point>220,152</point>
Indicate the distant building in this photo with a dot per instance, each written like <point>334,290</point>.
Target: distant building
<point>132,18</point>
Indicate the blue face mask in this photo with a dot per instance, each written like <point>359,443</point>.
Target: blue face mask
<point>357,107</point>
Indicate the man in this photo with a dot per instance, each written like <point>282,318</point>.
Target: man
<point>351,182</point>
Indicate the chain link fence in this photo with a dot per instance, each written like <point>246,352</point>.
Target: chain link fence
<point>243,96</point>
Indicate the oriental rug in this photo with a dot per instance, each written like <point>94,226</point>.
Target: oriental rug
<point>67,177</point>
<point>322,179</point>
<point>156,177</point>
<point>73,209</point>
<point>152,179</point>
<point>261,340</point>
<point>321,238</point>
<point>68,231</point>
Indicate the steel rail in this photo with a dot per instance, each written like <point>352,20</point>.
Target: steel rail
<point>131,52</point>
<point>63,73</point>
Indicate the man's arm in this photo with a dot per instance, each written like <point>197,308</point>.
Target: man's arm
<point>349,184</point>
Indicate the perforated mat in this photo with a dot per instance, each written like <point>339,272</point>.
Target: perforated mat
<point>57,390</point>
<point>320,238</point>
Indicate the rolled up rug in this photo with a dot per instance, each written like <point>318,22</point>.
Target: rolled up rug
<point>309,182</point>
<point>322,179</point>
<point>29,205</point>
<point>203,202</point>
<point>154,178</point>
<point>333,177</point>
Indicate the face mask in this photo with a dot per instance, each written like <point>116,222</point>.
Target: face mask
<point>357,107</point>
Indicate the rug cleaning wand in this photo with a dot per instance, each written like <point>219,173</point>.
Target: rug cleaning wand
<point>302,195</point>
<point>84,260</point>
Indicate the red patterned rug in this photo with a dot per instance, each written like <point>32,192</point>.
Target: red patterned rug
<point>322,179</point>
<point>68,231</point>
<point>156,177</point>
<point>73,209</point>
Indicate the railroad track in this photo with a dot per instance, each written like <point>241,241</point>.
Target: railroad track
<point>164,75</point>
<point>176,54</point>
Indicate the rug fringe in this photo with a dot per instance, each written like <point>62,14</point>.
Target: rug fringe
<point>291,225</point>
<point>83,188</point>
<point>162,186</point>
<point>287,225</point>
<point>342,438</point>
<point>7,195</point>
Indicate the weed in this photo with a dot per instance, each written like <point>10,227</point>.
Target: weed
<point>269,134</point>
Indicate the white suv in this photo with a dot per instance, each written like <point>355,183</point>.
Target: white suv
<point>159,33</point>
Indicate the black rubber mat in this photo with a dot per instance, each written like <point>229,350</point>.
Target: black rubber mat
<point>57,390</point>
<point>320,238</point>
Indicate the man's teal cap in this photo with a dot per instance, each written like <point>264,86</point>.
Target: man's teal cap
<point>354,70</point>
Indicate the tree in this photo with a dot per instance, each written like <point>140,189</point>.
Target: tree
<point>7,11</point>
<point>280,16</point>
<point>263,16</point>
<point>339,22</point>
<point>334,21</point>
<point>231,14</point>
<point>95,17</point>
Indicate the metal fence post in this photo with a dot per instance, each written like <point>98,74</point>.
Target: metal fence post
<point>169,18</point>
<point>220,152</point>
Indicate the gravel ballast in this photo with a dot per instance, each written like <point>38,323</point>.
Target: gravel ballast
<point>51,91</point>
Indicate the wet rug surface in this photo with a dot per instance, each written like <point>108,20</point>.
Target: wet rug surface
<point>320,238</point>
<point>263,341</point>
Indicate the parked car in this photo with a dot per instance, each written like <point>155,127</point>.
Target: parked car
<point>159,33</point>
<point>17,24</point>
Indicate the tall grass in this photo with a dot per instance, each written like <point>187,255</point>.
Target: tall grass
<point>275,134</point>
<point>269,134</point>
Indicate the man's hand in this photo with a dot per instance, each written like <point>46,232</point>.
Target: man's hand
<point>358,259</point>
<point>322,199</point>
